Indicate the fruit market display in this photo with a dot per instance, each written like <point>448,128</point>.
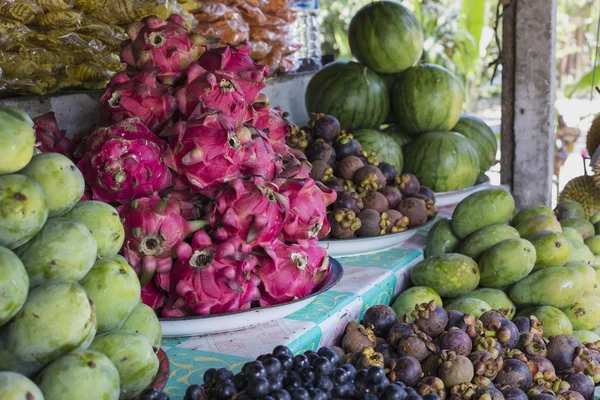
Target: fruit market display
<point>71,322</point>
<point>47,46</point>
<point>421,104</point>
<point>537,261</point>
<point>373,199</point>
<point>265,24</point>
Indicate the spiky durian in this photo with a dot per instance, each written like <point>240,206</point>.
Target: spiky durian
<point>583,190</point>
<point>593,136</point>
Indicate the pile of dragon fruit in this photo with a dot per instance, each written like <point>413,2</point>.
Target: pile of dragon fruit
<point>220,214</point>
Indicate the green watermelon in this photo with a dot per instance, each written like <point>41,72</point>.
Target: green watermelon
<point>351,92</point>
<point>384,145</point>
<point>401,138</point>
<point>427,98</point>
<point>483,137</point>
<point>386,36</point>
<point>442,161</point>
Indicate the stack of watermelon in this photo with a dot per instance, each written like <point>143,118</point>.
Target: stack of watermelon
<point>420,103</point>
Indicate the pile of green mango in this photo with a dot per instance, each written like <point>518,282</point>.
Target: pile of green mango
<point>71,322</point>
<point>536,261</point>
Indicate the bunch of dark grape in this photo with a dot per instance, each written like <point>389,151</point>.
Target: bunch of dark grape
<point>308,376</point>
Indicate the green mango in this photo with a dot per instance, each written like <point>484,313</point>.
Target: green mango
<point>506,263</point>
<point>79,374</point>
<point>573,235</point>
<point>63,249</point>
<point>496,298</point>
<point>408,299</point>
<point>595,218</point>
<point>24,210</point>
<point>581,253</point>
<point>538,223</point>
<point>14,285</point>
<point>586,336</point>
<point>569,208</point>
<point>450,275</point>
<point>469,305</point>
<point>584,313</point>
<point>593,243</point>
<point>554,321</point>
<point>114,287</point>
<point>104,222</point>
<point>481,241</point>
<point>530,212</point>
<point>57,318</point>
<point>555,286</point>
<point>582,225</point>
<point>478,210</point>
<point>18,387</point>
<point>134,357</point>
<point>17,139</point>
<point>61,180</point>
<point>553,249</point>
<point>588,272</point>
<point>440,239</point>
<point>143,320</point>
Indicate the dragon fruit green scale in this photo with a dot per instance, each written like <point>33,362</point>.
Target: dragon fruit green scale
<point>166,44</point>
<point>124,162</point>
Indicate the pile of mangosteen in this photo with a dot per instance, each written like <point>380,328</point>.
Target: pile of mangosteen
<point>458,356</point>
<point>373,198</point>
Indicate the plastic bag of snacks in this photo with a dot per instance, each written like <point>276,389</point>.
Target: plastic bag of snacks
<point>266,24</point>
<point>50,45</point>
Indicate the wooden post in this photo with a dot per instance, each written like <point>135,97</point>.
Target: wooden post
<point>528,86</point>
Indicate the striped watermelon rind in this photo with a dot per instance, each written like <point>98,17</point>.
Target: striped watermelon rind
<point>427,98</point>
<point>442,161</point>
<point>483,136</point>
<point>351,92</point>
<point>387,149</point>
<point>386,36</point>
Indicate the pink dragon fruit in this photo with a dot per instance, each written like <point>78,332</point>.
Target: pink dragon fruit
<point>251,210</point>
<point>154,233</point>
<point>295,165</point>
<point>49,138</point>
<point>141,96</point>
<point>153,297</point>
<point>124,162</point>
<point>208,151</point>
<point>212,278</point>
<point>272,121</point>
<point>308,208</point>
<point>291,271</point>
<point>233,63</point>
<point>169,45</point>
<point>262,160</point>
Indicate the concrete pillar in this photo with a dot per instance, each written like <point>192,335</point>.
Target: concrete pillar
<point>529,80</point>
